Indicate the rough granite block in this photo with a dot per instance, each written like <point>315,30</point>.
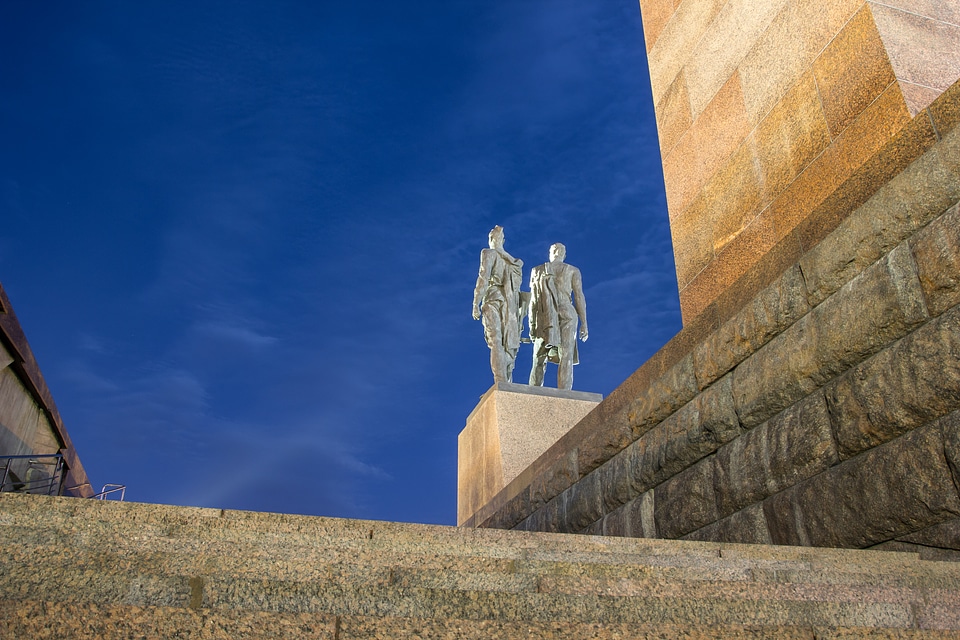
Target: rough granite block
<point>551,481</point>
<point>910,200</point>
<point>748,526</point>
<point>664,396</point>
<point>686,501</point>
<point>773,310</point>
<point>582,503</point>
<point>937,252</point>
<point>793,445</point>
<point>891,491</point>
<point>907,385</point>
<point>869,312</point>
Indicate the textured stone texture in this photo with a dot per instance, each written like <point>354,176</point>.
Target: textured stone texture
<point>686,501</point>
<point>909,201</point>
<point>892,490</point>
<point>773,310</point>
<point>120,570</point>
<point>510,427</point>
<point>907,385</point>
<point>937,252</point>
<point>746,526</point>
<point>852,71</point>
<point>924,50</point>
<point>663,396</point>
<point>793,445</point>
<point>878,306</point>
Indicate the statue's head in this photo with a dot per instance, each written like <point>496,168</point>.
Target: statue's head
<point>558,252</point>
<point>496,237</point>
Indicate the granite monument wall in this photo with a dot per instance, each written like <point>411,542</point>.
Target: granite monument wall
<point>765,110</point>
<point>825,410</point>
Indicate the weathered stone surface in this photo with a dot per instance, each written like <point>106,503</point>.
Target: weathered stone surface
<point>945,535</point>
<point>937,252</point>
<point>686,501</point>
<point>907,202</point>
<point>748,526</point>
<point>795,444</point>
<point>582,504</point>
<point>907,385</point>
<point>950,430</point>
<point>696,430</point>
<point>664,396</point>
<point>872,310</point>
<point>551,481</point>
<point>615,523</point>
<point>771,312</point>
<point>891,491</point>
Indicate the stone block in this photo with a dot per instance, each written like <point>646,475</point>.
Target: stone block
<point>654,14</point>
<point>910,200</point>
<point>582,503</point>
<point>748,526</point>
<point>723,46</point>
<point>686,502</point>
<point>677,41</point>
<point>673,115</point>
<point>663,396</point>
<point>937,252</point>
<point>511,426</point>
<point>791,136</point>
<point>891,491</point>
<point>950,431</point>
<point>907,385</point>
<point>638,516</point>
<point>615,523</point>
<point>945,535</point>
<point>872,310</point>
<point>945,110</point>
<point>788,48</point>
<point>852,71</point>
<point>737,258</point>
<point>551,481</point>
<point>773,310</point>
<point>731,199</point>
<point>792,446</point>
<point>706,146</point>
<point>923,51</point>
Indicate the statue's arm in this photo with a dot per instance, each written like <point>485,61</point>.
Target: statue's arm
<point>483,279</point>
<point>580,303</point>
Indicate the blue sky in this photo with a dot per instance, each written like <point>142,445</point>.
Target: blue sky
<point>242,237</point>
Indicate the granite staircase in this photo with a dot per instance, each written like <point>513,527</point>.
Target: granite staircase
<point>74,568</point>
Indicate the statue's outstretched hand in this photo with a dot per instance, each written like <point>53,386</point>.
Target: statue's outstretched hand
<point>476,312</point>
<point>584,334</point>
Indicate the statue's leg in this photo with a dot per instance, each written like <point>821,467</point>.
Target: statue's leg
<point>539,363</point>
<point>511,361</point>
<point>493,333</point>
<point>568,343</point>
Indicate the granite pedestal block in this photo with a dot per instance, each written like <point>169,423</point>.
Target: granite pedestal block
<point>509,428</point>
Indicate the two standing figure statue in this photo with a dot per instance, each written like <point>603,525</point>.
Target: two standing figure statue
<point>553,317</point>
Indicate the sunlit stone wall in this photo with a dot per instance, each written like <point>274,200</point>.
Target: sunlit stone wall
<point>771,115</point>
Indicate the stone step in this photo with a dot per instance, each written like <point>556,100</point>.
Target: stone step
<point>32,619</point>
<point>131,561</point>
<point>467,573</point>
<point>694,607</point>
<point>103,524</point>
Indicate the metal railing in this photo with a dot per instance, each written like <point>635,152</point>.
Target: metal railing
<point>113,488</point>
<point>36,479</point>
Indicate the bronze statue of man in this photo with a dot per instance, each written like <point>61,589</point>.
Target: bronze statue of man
<point>496,300</point>
<point>553,318</point>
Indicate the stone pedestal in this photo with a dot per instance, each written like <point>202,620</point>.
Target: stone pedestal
<point>511,426</point>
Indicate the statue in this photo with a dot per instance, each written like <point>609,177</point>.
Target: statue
<point>553,319</point>
<point>496,299</point>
